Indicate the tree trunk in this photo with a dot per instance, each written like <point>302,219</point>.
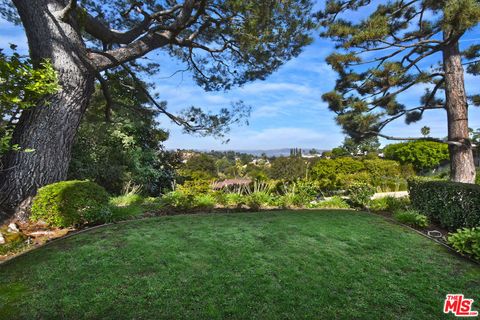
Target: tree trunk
<point>461,156</point>
<point>50,127</point>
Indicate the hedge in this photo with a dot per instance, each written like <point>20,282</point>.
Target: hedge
<point>451,204</point>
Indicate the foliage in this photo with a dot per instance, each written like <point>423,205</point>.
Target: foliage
<point>340,173</point>
<point>195,187</point>
<point>334,202</point>
<point>359,194</point>
<point>389,204</point>
<point>126,147</point>
<point>257,200</point>
<point>288,168</point>
<point>71,203</point>
<point>179,200</point>
<point>22,85</point>
<point>235,200</point>
<point>412,218</point>
<point>200,165</point>
<point>382,57</point>
<point>126,200</point>
<point>205,201</point>
<point>466,241</point>
<point>363,147</point>
<point>423,155</point>
<point>453,205</point>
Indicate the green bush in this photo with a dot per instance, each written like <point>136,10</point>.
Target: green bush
<point>412,218</point>
<point>466,241</point>
<point>71,203</point>
<point>205,201</point>
<point>179,200</point>
<point>256,200</point>
<point>477,177</point>
<point>360,194</point>
<point>453,205</point>
<point>235,200</point>
<point>335,202</point>
<point>389,204</point>
<point>126,200</point>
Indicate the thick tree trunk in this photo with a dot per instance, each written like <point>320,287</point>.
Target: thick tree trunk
<point>48,128</point>
<point>461,156</point>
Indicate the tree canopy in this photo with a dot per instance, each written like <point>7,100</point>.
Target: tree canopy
<point>423,155</point>
<point>386,54</point>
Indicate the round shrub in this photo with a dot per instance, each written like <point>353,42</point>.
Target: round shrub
<point>71,203</point>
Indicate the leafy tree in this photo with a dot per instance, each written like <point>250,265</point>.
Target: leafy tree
<point>288,168</point>
<point>125,149</point>
<point>340,152</point>
<point>365,146</point>
<point>423,155</point>
<point>425,131</point>
<point>224,43</point>
<point>21,87</point>
<point>200,166</point>
<point>388,53</point>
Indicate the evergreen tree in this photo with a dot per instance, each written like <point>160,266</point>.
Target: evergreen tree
<point>389,52</point>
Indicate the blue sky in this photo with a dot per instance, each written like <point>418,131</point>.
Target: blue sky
<point>287,110</point>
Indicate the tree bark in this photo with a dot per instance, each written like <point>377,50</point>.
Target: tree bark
<point>461,156</point>
<point>50,127</point>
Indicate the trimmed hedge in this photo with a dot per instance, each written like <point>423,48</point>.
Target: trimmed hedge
<point>451,204</point>
<point>71,203</point>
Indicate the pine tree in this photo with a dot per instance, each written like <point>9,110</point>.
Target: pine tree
<point>390,52</point>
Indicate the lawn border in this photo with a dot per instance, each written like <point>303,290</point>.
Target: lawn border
<point>88,229</point>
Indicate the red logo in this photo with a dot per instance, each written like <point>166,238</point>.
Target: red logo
<point>459,306</point>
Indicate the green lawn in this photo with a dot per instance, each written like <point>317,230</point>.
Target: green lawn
<point>271,265</point>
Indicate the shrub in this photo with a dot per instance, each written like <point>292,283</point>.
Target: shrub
<point>71,203</point>
<point>453,205</point>
<point>360,194</point>
<point>126,200</point>
<point>389,204</point>
<point>412,218</point>
<point>466,241</point>
<point>195,187</point>
<point>423,155</point>
<point>235,200</point>
<point>256,200</point>
<point>205,201</point>
<point>177,199</point>
<point>335,202</point>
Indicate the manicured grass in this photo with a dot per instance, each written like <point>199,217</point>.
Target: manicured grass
<point>271,265</point>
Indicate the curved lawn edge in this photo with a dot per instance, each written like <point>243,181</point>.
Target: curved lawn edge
<point>200,213</point>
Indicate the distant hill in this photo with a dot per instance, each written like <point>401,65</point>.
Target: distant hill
<point>270,152</point>
<point>274,152</point>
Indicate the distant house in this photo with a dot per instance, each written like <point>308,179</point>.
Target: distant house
<point>231,183</point>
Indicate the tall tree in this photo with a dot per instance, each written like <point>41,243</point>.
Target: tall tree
<point>124,146</point>
<point>390,52</point>
<point>224,43</point>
